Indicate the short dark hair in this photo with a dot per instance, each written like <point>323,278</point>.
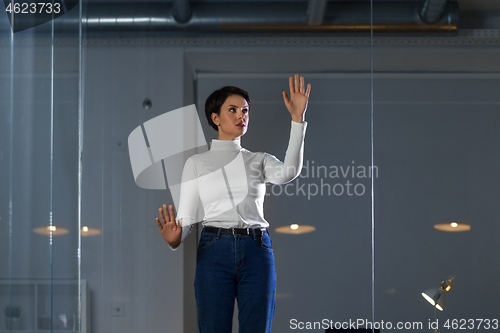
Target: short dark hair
<point>217,98</point>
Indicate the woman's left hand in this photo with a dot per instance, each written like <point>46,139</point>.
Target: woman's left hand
<point>299,97</point>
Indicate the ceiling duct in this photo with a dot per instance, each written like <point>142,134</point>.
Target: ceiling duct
<point>182,10</point>
<point>316,12</point>
<point>432,10</point>
<point>272,17</point>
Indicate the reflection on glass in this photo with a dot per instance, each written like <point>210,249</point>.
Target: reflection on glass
<point>51,230</point>
<point>295,229</point>
<point>452,227</point>
<point>86,231</point>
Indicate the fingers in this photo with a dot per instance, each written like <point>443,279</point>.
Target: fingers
<point>162,217</point>
<point>308,91</point>
<point>171,213</point>
<point>159,223</point>
<point>166,216</point>
<point>165,212</point>
<point>172,216</point>
<point>285,97</point>
<point>297,84</point>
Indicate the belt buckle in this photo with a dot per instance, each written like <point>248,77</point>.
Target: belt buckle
<point>232,230</point>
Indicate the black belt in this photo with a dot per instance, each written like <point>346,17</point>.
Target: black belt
<point>236,231</point>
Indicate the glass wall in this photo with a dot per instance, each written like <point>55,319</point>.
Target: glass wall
<point>39,169</point>
<point>437,147</point>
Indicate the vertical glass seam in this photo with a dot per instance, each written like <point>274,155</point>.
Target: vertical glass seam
<point>11,155</point>
<point>102,204</point>
<point>372,153</point>
<point>80,149</point>
<point>51,186</point>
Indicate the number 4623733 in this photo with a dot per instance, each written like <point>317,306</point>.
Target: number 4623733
<point>463,324</point>
<point>33,8</point>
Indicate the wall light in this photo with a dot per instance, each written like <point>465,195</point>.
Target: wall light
<point>436,296</point>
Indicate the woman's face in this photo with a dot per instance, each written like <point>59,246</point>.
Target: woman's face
<point>233,118</point>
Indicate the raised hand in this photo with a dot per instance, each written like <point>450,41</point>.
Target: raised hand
<point>170,231</point>
<point>299,97</point>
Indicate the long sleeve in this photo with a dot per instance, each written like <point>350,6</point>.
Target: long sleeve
<point>189,199</point>
<point>278,172</point>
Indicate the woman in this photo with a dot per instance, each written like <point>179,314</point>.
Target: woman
<point>235,257</point>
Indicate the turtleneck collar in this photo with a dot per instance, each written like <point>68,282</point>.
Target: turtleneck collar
<point>228,145</point>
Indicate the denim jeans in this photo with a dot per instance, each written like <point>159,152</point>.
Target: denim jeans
<point>235,266</point>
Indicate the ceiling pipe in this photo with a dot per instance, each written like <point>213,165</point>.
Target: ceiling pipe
<point>181,10</point>
<point>264,17</point>
<point>432,10</point>
<point>316,12</point>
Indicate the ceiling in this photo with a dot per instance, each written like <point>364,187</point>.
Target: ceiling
<point>479,5</point>
<point>472,14</point>
<point>463,4</point>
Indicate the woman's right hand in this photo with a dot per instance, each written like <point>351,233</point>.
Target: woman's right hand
<point>170,231</point>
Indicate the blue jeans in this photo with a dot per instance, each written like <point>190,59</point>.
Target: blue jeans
<point>235,266</point>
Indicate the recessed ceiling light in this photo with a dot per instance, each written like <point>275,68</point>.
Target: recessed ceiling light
<point>295,229</point>
<point>86,231</point>
<point>51,229</point>
<point>452,227</point>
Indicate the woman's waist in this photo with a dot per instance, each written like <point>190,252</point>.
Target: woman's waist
<point>242,224</point>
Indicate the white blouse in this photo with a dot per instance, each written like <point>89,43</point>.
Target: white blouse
<point>230,182</point>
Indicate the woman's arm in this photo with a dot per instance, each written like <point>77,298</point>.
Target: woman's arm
<point>189,199</point>
<point>278,172</point>
<point>175,233</point>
